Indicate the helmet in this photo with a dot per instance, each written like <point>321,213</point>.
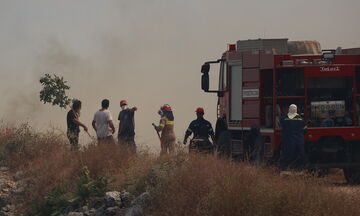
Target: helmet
<point>123,102</point>
<point>166,107</point>
<point>200,110</point>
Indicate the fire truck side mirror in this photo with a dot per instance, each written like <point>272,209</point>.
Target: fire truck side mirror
<point>205,82</point>
<point>205,68</point>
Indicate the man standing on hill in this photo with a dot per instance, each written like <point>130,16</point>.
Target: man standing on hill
<point>103,124</point>
<point>126,132</point>
<point>202,130</point>
<point>73,125</point>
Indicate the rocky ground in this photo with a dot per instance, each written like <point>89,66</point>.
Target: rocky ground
<point>11,190</point>
<point>114,203</point>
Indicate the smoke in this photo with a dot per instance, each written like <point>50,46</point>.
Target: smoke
<point>148,51</point>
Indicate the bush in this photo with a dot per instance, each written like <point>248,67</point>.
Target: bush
<point>62,199</point>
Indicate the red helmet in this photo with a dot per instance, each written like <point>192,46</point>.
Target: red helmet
<point>166,107</point>
<point>200,110</point>
<point>123,102</point>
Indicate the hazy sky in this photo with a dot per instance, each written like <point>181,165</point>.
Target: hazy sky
<point>146,51</point>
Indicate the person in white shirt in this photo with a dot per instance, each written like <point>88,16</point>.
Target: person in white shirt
<point>103,124</point>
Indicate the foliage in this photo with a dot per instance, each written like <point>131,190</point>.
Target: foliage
<point>88,187</point>
<point>61,199</point>
<point>54,90</point>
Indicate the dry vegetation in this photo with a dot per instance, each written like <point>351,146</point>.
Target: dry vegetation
<point>180,184</point>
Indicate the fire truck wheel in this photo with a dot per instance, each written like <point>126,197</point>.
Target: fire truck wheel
<point>352,175</point>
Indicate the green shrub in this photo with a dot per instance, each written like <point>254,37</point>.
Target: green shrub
<point>63,199</point>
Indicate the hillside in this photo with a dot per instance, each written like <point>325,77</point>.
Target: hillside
<point>58,181</point>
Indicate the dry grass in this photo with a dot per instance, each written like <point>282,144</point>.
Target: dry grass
<point>49,163</point>
<point>180,184</point>
<point>208,186</point>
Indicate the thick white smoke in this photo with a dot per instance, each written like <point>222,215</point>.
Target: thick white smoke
<point>147,51</point>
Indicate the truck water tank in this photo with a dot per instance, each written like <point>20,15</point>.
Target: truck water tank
<point>304,47</point>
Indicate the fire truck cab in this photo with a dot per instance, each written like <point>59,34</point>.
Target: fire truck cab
<point>259,79</point>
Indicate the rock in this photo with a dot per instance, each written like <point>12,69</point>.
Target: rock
<point>75,214</point>
<point>100,211</point>
<point>7,208</point>
<point>90,212</point>
<point>4,169</point>
<point>84,209</point>
<point>112,199</point>
<point>96,202</point>
<point>142,200</point>
<point>138,205</point>
<point>134,211</point>
<point>125,199</point>
<point>18,175</point>
<point>112,211</point>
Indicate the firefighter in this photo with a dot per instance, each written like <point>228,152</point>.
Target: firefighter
<point>126,132</point>
<point>292,155</point>
<point>166,127</point>
<point>201,129</point>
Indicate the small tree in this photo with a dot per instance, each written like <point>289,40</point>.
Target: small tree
<point>54,91</point>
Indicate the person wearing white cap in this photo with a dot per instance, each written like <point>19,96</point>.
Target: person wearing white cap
<point>292,154</point>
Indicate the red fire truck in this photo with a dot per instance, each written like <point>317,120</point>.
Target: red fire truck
<point>259,79</point>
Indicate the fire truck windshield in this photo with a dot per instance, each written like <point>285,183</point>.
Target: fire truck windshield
<point>330,100</point>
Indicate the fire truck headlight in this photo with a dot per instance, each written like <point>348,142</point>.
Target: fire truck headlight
<point>352,135</point>
<point>310,136</point>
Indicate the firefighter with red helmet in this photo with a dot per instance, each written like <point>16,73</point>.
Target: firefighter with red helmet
<point>166,127</point>
<point>202,130</point>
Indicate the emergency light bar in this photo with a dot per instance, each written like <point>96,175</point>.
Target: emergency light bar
<point>232,47</point>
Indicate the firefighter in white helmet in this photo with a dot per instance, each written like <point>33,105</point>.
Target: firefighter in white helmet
<point>292,155</point>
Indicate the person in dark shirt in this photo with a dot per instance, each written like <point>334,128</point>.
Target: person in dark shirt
<point>126,132</point>
<point>292,155</point>
<point>73,125</point>
<point>202,130</point>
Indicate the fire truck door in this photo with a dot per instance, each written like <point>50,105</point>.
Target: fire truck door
<point>235,91</point>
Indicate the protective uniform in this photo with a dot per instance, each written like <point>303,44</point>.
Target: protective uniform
<point>166,127</point>
<point>292,155</point>
<point>201,129</point>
